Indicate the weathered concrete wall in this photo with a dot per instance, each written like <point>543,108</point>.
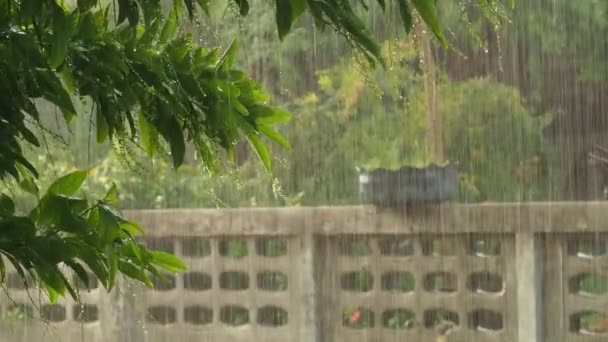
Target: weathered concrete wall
<point>499,272</point>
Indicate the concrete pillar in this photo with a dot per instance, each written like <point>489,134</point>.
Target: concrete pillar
<point>528,287</point>
<point>308,325</point>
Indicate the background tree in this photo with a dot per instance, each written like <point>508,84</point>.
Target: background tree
<point>551,53</point>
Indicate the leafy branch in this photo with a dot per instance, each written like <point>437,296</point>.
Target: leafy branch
<point>149,84</point>
<point>64,232</point>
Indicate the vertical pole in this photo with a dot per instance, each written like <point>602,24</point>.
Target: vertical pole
<point>528,288</point>
<point>308,327</point>
<point>554,317</point>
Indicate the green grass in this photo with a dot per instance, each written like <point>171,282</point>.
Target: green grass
<point>398,281</point>
<point>355,247</point>
<point>593,284</point>
<point>272,281</point>
<point>594,322</point>
<point>234,248</point>
<point>357,280</point>
<point>271,247</point>
<point>196,248</point>
<point>398,319</point>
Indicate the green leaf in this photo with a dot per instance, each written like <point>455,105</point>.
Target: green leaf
<point>265,115</point>
<point>19,228</point>
<point>69,287</point>
<point>243,7</point>
<point>69,184</point>
<point>131,227</point>
<point>93,218</point>
<point>61,37</point>
<point>167,261</point>
<point>25,163</point>
<point>109,225</point>
<point>54,91</point>
<point>230,154</point>
<point>30,108</point>
<point>51,292</point>
<point>29,185</point>
<point>274,136</point>
<point>283,17</point>
<point>134,272</point>
<point>128,9</point>
<point>52,280</point>
<point>62,213</point>
<point>363,37</point>
<point>148,135</point>
<point>203,59</point>
<point>353,29</point>
<point>90,25</point>
<point>131,251</point>
<point>189,8</point>
<point>112,266</point>
<point>2,270</point>
<point>30,8</point>
<point>96,265</point>
<point>178,49</point>
<point>103,130</point>
<point>155,272</point>
<point>85,5</point>
<point>297,9</point>
<point>364,5</point>
<point>54,249</point>
<point>7,206</point>
<point>228,57</point>
<point>238,106</point>
<point>173,133</point>
<point>406,15</point>
<point>67,80</point>
<point>260,150</point>
<point>204,5</point>
<point>150,33</point>
<point>428,12</point>
<point>151,11</point>
<point>170,26</point>
<point>111,196</point>
<point>81,273</point>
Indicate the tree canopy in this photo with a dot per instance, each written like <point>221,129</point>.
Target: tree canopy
<point>148,83</point>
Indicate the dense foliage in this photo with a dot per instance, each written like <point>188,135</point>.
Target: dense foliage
<point>147,84</point>
<point>346,124</point>
<point>351,120</point>
<point>144,81</point>
<point>65,230</point>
